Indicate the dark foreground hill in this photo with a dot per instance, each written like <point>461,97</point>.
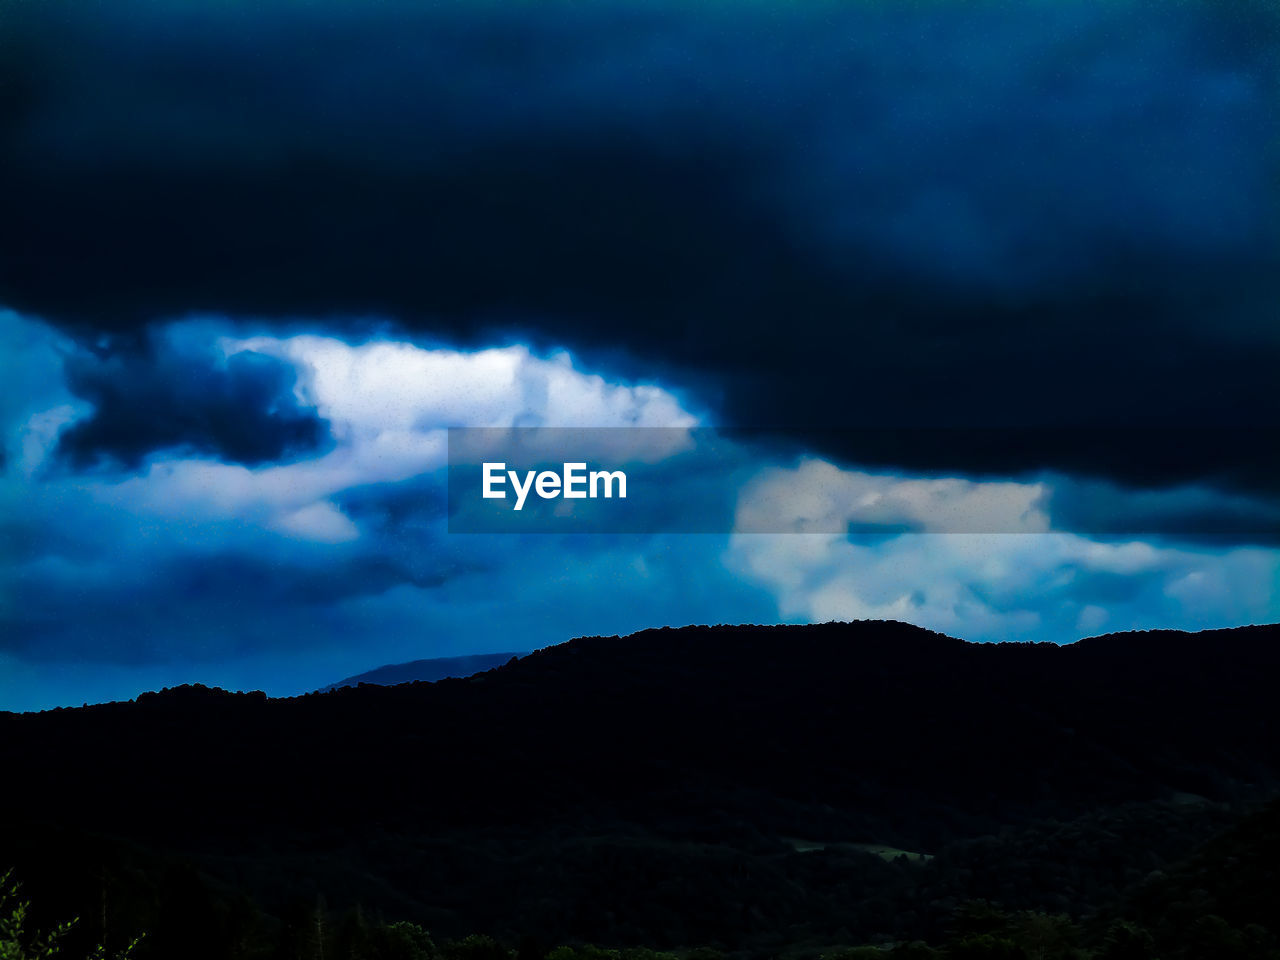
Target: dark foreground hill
<point>426,671</point>
<point>754,788</point>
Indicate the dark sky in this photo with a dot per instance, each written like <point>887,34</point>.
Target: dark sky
<point>251,256</point>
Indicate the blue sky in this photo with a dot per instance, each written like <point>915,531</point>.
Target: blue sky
<point>257,258</point>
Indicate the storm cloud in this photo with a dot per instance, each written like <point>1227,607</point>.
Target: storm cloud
<point>153,394</point>
<point>817,217</point>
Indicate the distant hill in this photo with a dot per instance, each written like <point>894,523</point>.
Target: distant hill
<point>427,671</point>
<point>744,786</point>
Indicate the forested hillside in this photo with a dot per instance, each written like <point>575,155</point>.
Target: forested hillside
<point>756,790</point>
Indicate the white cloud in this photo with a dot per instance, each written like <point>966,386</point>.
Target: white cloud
<point>817,497</point>
<point>38,436</point>
<point>388,404</point>
<point>1000,585</point>
<point>394,386</point>
<point>321,522</point>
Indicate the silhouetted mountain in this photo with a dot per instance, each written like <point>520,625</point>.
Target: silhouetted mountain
<point>426,671</point>
<point>750,787</point>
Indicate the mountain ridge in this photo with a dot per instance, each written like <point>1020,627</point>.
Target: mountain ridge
<point>1129,642</point>
<point>565,792</point>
